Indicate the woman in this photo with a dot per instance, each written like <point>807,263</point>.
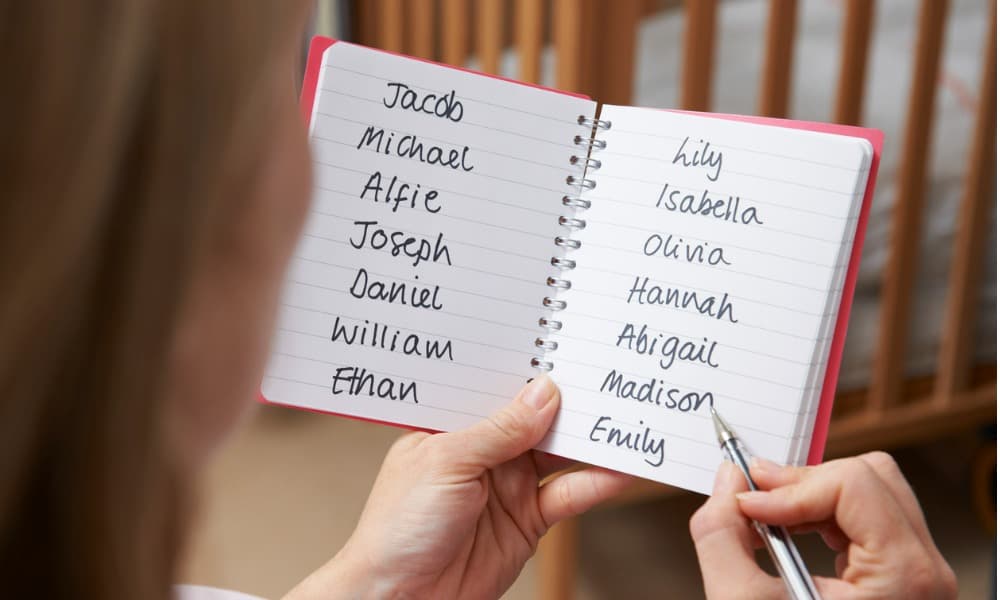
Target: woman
<point>156,176</point>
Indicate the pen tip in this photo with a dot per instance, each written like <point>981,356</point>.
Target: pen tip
<point>722,430</point>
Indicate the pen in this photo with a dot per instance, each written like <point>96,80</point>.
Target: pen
<point>779,544</point>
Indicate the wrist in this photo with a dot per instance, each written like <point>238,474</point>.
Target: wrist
<point>348,575</point>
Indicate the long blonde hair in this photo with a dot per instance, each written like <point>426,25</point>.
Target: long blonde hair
<point>123,127</point>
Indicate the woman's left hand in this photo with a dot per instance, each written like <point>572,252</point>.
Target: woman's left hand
<point>456,515</point>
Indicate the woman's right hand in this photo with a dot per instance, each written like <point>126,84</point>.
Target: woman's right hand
<point>862,507</point>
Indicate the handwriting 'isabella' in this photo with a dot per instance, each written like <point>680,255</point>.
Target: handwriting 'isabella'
<point>731,208</point>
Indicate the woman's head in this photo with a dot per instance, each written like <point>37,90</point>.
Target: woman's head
<point>155,177</point>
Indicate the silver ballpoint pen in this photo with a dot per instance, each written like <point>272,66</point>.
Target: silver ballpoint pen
<point>777,540</point>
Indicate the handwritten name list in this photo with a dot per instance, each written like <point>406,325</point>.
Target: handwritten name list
<point>415,291</point>
<point>704,279</point>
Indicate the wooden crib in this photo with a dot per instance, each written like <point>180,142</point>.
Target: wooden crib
<point>595,54</point>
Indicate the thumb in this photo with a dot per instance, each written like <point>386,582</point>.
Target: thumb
<point>509,432</point>
<point>724,543</point>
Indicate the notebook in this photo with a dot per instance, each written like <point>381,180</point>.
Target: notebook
<point>468,232</point>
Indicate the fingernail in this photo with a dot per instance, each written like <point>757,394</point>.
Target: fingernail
<point>763,466</point>
<point>751,496</point>
<point>539,392</point>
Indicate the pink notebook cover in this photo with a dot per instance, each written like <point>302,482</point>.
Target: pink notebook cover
<point>319,45</point>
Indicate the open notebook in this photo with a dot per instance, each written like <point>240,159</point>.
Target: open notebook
<point>468,230</point>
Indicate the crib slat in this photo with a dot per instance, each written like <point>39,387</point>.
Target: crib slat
<point>894,316</point>
<point>955,359</point>
<point>567,26</point>
<point>775,82</point>
<point>363,23</point>
<point>421,16</point>
<point>390,25</point>
<point>557,552</point>
<point>854,41</point>
<point>528,18</point>
<point>489,34</point>
<point>618,33</point>
<point>699,50</point>
<point>455,35</point>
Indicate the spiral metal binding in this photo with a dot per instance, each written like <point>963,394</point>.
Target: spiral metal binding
<point>584,162</point>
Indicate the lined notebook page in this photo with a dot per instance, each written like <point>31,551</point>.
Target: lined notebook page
<point>711,254</point>
<point>416,289</point>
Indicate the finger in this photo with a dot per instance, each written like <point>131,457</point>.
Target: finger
<point>840,563</point>
<point>408,441</point>
<point>847,491</point>
<point>770,475</point>
<point>886,468</point>
<point>574,493</point>
<point>546,464</point>
<point>833,537</point>
<point>507,433</point>
<point>724,542</point>
<point>834,589</point>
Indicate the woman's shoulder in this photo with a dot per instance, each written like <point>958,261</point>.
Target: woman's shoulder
<point>200,592</point>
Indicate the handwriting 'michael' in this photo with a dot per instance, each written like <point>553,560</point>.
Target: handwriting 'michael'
<point>700,157</point>
<point>410,146</point>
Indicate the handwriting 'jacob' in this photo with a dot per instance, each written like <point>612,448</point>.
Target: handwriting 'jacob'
<point>445,106</point>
